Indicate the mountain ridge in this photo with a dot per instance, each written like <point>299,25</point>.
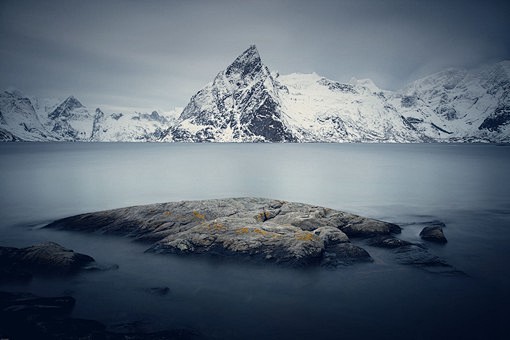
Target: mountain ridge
<point>246,102</point>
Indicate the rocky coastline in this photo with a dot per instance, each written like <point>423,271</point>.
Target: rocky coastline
<point>255,230</point>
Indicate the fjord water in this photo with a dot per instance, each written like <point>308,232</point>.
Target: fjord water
<point>464,186</point>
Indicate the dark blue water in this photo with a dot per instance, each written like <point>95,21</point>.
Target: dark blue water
<point>465,186</point>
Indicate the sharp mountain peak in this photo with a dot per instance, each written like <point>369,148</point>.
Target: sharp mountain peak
<point>246,64</point>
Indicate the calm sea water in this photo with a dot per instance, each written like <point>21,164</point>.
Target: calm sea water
<point>465,186</point>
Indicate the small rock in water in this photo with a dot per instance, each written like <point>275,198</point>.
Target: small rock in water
<point>45,258</point>
<point>433,234</point>
<point>161,291</point>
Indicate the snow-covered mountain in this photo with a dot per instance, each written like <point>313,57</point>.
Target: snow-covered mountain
<point>246,102</point>
<point>459,104</point>
<point>241,104</point>
<point>19,120</point>
<point>32,119</point>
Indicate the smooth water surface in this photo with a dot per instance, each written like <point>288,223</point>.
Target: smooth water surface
<point>465,186</point>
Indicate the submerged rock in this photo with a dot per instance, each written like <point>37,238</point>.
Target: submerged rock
<point>44,258</point>
<point>344,254</point>
<point>161,291</point>
<point>387,242</point>
<point>253,228</point>
<point>28,304</point>
<point>9,269</point>
<point>433,234</point>
<point>416,255</point>
<point>419,256</point>
<point>26,316</point>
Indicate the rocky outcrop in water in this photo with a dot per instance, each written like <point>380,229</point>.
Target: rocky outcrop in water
<point>45,258</point>
<point>256,229</point>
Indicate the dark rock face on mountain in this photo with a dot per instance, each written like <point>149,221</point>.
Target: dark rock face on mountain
<point>6,136</point>
<point>496,121</point>
<point>66,109</point>
<point>154,116</point>
<point>96,125</point>
<point>46,258</point>
<point>256,229</point>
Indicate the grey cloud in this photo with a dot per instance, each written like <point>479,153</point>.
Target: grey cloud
<point>156,54</point>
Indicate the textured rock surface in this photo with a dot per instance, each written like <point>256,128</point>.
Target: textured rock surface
<point>45,258</point>
<point>250,228</point>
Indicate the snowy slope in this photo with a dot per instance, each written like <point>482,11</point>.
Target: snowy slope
<point>319,109</point>
<point>457,104</point>
<point>119,127</point>
<point>19,120</point>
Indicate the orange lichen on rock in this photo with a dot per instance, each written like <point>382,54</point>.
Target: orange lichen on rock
<point>217,226</point>
<point>260,231</point>
<point>246,230</point>
<point>260,217</point>
<point>198,215</point>
<point>305,236</point>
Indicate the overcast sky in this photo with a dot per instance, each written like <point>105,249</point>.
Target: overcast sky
<point>144,55</point>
